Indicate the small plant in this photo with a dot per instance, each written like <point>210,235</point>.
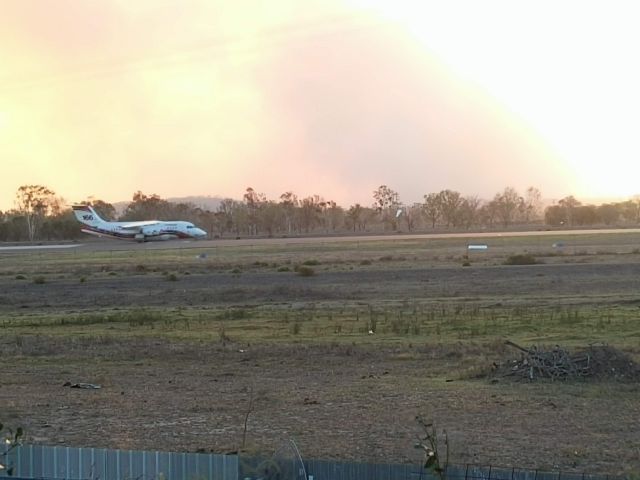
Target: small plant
<point>236,271</point>
<point>140,268</point>
<point>365,262</point>
<point>428,442</point>
<point>83,279</point>
<point>466,263</point>
<point>20,277</point>
<point>283,269</point>
<point>222,335</point>
<point>305,271</point>
<point>172,277</point>
<point>295,328</point>
<point>10,440</point>
<point>112,274</point>
<point>39,280</point>
<point>311,262</point>
<point>521,259</point>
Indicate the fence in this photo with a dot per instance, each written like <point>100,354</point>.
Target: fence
<point>69,463</point>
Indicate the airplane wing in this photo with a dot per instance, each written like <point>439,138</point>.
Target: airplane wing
<point>140,224</point>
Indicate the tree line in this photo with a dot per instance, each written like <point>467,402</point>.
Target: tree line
<point>39,214</point>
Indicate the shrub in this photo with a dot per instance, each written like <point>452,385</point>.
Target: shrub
<point>172,277</point>
<point>20,277</point>
<point>365,262</point>
<point>83,279</point>
<point>305,271</point>
<point>521,259</point>
<point>311,262</point>
<point>284,269</point>
<point>466,263</point>
<point>39,280</point>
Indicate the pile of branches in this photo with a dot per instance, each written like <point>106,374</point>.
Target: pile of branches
<point>556,363</point>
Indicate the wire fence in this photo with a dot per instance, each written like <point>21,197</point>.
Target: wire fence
<point>34,462</point>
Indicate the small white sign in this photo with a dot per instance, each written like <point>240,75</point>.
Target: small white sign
<point>477,247</point>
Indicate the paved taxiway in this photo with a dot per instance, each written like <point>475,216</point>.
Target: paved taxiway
<point>95,244</point>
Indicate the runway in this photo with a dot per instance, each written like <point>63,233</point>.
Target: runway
<point>22,248</point>
<point>111,244</point>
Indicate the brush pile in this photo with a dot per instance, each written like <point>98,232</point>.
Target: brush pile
<point>596,362</point>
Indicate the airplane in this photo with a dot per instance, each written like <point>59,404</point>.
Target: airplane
<point>144,231</point>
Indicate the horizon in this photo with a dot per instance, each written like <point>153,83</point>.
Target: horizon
<point>331,98</point>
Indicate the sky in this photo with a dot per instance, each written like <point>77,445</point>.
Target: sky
<point>101,98</point>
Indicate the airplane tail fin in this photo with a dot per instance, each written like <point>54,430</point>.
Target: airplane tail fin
<point>86,215</point>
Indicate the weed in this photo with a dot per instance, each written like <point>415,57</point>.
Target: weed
<point>521,259</point>
<point>295,328</point>
<point>283,269</point>
<point>82,279</point>
<point>236,271</point>
<point>311,262</point>
<point>305,271</point>
<point>20,277</point>
<point>172,277</point>
<point>466,263</point>
<point>365,262</point>
<point>39,280</point>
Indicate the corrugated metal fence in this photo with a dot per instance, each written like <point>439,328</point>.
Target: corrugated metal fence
<point>68,463</point>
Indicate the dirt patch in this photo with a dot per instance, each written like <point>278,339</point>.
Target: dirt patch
<point>336,401</point>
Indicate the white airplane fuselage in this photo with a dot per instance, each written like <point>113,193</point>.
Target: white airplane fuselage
<point>144,231</point>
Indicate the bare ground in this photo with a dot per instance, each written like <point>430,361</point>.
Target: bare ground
<point>338,401</point>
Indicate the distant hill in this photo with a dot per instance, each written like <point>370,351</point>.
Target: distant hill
<point>204,202</point>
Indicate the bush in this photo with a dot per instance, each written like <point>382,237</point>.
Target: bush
<point>521,259</point>
<point>365,262</point>
<point>311,262</point>
<point>284,269</point>
<point>172,277</point>
<point>466,263</point>
<point>39,280</point>
<point>305,271</point>
<point>20,277</point>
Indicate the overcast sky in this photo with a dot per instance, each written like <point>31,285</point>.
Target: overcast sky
<point>187,97</point>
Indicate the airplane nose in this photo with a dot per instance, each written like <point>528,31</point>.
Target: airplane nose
<point>201,233</point>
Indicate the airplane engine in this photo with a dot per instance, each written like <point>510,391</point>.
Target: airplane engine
<point>139,237</point>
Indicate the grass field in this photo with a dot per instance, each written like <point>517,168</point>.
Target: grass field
<point>340,343</point>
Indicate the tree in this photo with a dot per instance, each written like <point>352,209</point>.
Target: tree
<point>609,213</point>
<point>386,204</point>
<point>353,216</point>
<point>34,202</point>
<point>569,204</point>
<point>555,215</point>
<point>288,204</point>
<point>450,202</point>
<point>469,210</point>
<point>106,210</point>
<point>147,207</point>
<point>310,209</point>
<point>255,202</point>
<point>532,205</point>
<point>507,204</point>
<point>411,215</point>
<point>631,210</point>
<point>432,208</point>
